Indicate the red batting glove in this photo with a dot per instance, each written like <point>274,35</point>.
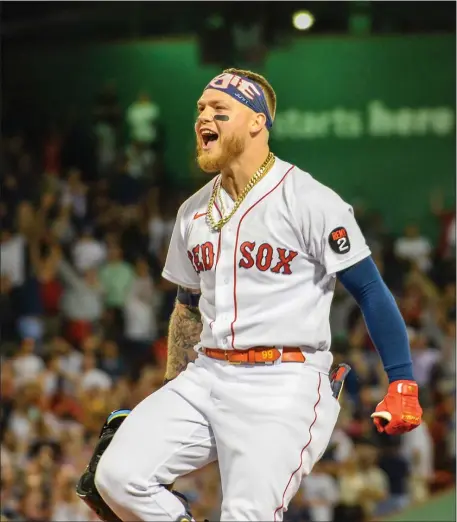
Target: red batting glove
<point>400,410</point>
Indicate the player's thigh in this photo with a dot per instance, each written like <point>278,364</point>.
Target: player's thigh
<point>163,438</point>
<point>264,463</point>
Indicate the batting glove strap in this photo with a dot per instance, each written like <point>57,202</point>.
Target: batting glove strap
<point>400,410</point>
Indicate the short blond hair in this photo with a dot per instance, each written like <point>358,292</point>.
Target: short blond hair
<point>267,89</point>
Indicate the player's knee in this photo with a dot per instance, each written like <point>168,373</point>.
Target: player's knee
<point>111,479</point>
<point>116,481</point>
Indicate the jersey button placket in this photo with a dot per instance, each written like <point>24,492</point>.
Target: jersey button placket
<point>225,311</point>
<point>224,286</point>
<point>223,297</point>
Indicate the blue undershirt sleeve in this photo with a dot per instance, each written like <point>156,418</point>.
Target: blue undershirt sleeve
<point>383,319</point>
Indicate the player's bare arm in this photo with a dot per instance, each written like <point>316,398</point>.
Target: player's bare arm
<point>184,332</point>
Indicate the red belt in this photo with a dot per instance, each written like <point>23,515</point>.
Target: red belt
<point>256,355</point>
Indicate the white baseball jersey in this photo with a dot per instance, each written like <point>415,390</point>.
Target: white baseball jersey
<point>267,279</point>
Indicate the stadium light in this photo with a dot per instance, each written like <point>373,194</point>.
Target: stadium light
<point>302,20</point>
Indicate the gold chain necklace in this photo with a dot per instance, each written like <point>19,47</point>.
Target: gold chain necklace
<point>221,202</point>
<point>264,168</point>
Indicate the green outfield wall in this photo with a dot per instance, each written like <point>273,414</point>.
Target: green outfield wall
<point>374,118</point>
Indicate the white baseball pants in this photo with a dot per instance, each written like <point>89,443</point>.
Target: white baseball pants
<point>266,424</point>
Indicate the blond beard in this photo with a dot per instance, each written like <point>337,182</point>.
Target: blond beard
<point>230,148</point>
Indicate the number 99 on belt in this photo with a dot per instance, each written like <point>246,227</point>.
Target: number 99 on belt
<point>267,355</point>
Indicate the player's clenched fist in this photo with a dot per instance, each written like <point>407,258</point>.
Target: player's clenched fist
<point>400,410</point>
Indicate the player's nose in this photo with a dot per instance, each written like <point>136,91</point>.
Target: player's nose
<point>205,116</point>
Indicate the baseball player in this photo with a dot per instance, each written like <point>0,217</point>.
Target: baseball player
<point>255,255</point>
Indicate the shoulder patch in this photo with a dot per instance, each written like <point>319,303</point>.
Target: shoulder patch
<point>338,240</point>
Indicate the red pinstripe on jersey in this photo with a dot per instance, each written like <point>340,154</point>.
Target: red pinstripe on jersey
<point>232,326</point>
<point>218,250</point>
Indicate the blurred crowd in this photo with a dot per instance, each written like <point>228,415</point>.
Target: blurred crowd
<point>87,213</point>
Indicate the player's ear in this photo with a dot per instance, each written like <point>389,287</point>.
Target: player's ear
<point>258,122</point>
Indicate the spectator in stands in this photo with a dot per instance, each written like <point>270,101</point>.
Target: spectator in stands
<point>62,227</point>
<point>93,377</point>
<point>452,438</point>
<point>395,466</point>
<point>161,223</point>
<point>414,247</point>
<point>248,33</point>
<point>449,251</point>
<point>12,251</point>
<point>7,313</point>
<point>8,492</point>
<point>82,301</point>
<point>106,149</point>
<point>341,445</point>
<point>12,151</point>
<point>136,174</point>
<point>110,359</point>
<point>116,277</point>
<point>297,510</point>
<point>32,505</point>
<point>88,252</point>
<point>67,506</point>
<point>342,306</point>
<point>376,480</point>
<point>448,348</point>
<point>417,449</point>
<point>27,366</point>
<point>143,118</point>
<point>107,127</point>
<point>30,310</point>
<point>49,377</point>
<point>449,298</point>
<point>139,312</point>
<point>10,194</point>
<point>320,494</point>
<point>447,232</point>
<point>52,155</point>
<point>45,258</point>
<point>351,487</point>
<point>70,362</point>
<point>21,421</point>
<point>74,195</point>
<point>139,163</point>
<point>424,357</point>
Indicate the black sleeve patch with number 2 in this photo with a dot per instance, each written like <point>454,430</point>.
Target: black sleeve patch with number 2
<point>339,240</point>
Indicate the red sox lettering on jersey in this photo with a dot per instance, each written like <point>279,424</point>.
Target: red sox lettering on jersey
<point>263,257</point>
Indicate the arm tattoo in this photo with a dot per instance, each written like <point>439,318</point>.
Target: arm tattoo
<point>183,334</point>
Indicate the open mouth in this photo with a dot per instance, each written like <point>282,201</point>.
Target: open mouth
<point>208,138</point>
